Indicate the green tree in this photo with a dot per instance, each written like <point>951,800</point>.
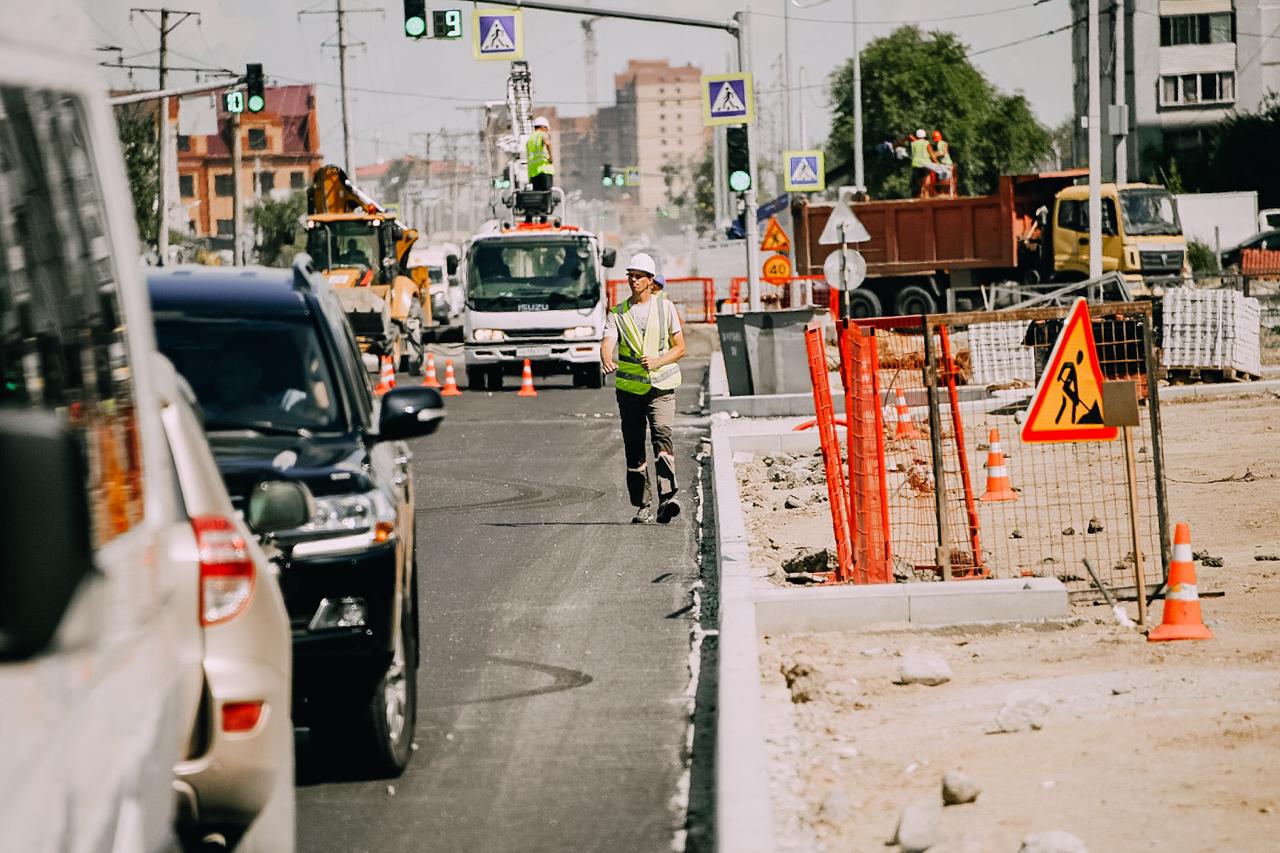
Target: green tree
<point>136,126</point>
<point>1239,149</point>
<point>704,192</point>
<point>912,79</point>
<point>277,224</point>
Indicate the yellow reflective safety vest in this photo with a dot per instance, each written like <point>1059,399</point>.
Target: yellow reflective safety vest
<point>920,153</point>
<point>653,341</point>
<point>539,161</point>
<point>944,152</point>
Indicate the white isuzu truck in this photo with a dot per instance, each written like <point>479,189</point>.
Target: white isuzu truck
<point>536,291</point>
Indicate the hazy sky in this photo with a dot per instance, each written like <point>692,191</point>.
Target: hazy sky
<point>402,86</point>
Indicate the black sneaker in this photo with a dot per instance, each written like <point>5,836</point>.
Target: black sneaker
<point>643,516</point>
<point>668,510</point>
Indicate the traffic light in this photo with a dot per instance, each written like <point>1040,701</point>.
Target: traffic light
<point>253,84</point>
<point>606,175</point>
<point>502,182</point>
<point>738,161</point>
<point>415,18</point>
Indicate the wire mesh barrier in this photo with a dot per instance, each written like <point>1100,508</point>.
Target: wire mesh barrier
<point>794,291</point>
<point>694,296</point>
<point>943,485</point>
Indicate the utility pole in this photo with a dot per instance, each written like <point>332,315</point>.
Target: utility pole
<point>165,26</point>
<point>1121,111</point>
<point>718,195</point>
<point>237,194</point>
<point>859,178</point>
<point>1095,145</point>
<point>341,10</point>
<point>342,83</point>
<point>589,57</point>
<point>786,75</point>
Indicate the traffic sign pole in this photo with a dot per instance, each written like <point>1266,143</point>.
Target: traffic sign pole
<point>753,227</point>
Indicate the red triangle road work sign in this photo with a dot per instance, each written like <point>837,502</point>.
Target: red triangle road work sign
<point>1067,405</point>
<point>775,239</point>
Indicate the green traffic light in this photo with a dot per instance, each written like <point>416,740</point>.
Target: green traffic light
<point>739,181</point>
<point>257,103</point>
<point>619,180</point>
<point>607,181</point>
<point>415,26</point>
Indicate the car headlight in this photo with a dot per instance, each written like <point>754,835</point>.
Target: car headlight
<point>489,335</point>
<point>580,332</point>
<point>366,519</point>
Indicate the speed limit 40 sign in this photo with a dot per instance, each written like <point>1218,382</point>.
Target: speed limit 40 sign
<point>777,269</point>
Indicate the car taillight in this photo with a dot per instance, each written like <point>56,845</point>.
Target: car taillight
<point>240,716</point>
<point>226,569</point>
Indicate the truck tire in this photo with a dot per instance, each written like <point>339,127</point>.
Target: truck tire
<point>915,299</point>
<point>864,304</point>
<point>495,377</point>
<point>475,378</point>
<point>590,376</point>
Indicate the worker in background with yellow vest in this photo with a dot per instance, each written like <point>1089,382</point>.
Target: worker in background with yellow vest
<point>538,147</point>
<point>921,160</point>
<point>645,330</point>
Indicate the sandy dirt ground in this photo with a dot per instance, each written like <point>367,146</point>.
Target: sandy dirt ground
<point>1172,746</point>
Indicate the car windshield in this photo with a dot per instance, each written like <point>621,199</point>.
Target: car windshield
<point>529,275</point>
<point>1149,212</point>
<point>251,373</point>
<point>350,245</point>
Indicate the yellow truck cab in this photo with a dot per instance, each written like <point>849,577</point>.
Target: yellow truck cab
<point>363,251</point>
<point>1141,235</point>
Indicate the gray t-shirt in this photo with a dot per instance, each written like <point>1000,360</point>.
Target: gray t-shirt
<point>640,314</point>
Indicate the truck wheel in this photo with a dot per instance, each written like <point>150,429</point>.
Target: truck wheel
<point>495,377</point>
<point>475,378</point>
<point>593,376</point>
<point>914,300</point>
<point>863,304</point>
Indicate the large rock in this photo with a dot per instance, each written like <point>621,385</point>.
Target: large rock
<point>1025,709</point>
<point>918,826</point>
<point>958,788</point>
<point>818,560</point>
<point>801,677</point>
<point>1055,841</point>
<point>923,668</point>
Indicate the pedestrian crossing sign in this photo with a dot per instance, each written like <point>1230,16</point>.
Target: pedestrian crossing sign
<point>498,34</point>
<point>631,176</point>
<point>727,99</point>
<point>804,171</point>
<point>1067,405</point>
<point>775,239</point>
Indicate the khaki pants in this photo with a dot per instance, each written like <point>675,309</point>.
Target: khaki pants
<point>655,411</point>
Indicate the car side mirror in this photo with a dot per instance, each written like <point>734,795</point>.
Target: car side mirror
<point>45,552</point>
<point>409,413</point>
<point>276,505</point>
<point>609,257</point>
<point>451,265</point>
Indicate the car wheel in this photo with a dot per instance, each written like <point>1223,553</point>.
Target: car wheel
<point>914,300</point>
<point>392,711</point>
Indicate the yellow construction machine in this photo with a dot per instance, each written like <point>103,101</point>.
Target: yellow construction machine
<point>363,250</point>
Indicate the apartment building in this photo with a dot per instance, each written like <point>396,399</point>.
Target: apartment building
<point>668,122</point>
<point>1189,64</point>
<point>280,151</point>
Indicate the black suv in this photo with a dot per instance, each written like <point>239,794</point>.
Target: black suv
<point>284,396</point>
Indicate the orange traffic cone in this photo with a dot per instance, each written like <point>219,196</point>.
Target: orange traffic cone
<point>526,381</point>
<point>431,381</point>
<point>450,383</point>
<point>1181,619</point>
<point>906,427</point>
<point>386,378</point>
<point>998,486</point>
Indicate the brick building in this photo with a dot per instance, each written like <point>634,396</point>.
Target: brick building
<point>280,151</point>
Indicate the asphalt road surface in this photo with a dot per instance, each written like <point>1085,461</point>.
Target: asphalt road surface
<point>552,704</point>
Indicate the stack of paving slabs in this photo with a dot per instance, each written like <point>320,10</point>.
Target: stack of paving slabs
<point>1211,330</point>
<point>998,353</point>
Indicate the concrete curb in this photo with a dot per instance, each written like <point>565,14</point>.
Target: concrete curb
<point>1217,389</point>
<point>744,813</point>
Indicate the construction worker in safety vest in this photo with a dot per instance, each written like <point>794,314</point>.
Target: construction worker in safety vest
<point>941,149</point>
<point>921,160</point>
<point>538,147</point>
<point>645,331</point>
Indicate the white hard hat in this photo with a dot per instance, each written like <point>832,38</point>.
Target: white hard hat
<point>920,134</point>
<point>642,262</point>
<point>541,121</point>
